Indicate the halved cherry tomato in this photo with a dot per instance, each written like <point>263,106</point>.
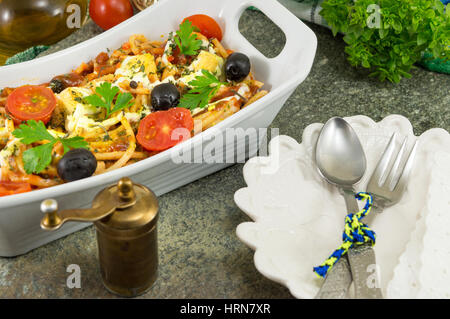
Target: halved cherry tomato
<point>10,188</point>
<point>207,26</point>
<point>161,130</point>
<point>31,102</point>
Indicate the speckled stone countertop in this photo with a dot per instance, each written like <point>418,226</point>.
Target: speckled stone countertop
<point>200,255</point>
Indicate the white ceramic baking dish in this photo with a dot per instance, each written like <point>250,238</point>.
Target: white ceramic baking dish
<point>20,215</point>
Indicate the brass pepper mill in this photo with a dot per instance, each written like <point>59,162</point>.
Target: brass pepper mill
<point>125,216</point>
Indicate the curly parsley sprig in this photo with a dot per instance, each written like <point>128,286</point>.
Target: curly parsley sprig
<point>389,36</point>
<point>36,159</point>
<point>203,88</point>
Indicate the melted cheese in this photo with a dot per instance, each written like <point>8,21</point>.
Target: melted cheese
<point>204,61</point>
<point>9,150</point>
<point>207,61</point>
<point>138,64</point>
<point>80,121</point>
<point>137,68</point>
<point>167,51</point>
<point>4,133</point>
<point>72,97</point>
<point>80,114</point>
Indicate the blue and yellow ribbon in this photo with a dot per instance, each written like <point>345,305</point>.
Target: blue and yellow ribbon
<point>355,233</point>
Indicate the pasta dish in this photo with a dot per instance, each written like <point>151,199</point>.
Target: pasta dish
<point>121,107</point>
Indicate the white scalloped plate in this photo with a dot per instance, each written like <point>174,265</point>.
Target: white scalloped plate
<point>298,217</point>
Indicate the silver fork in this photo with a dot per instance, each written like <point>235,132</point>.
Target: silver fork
<point>387,185</point>
<point>390,177</point>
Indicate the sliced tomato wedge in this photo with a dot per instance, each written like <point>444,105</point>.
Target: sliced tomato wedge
<point>31,102</point>
<point>178,58</point>
<point>10,188</point>
<point>207,26</point>
<point>161,130</point>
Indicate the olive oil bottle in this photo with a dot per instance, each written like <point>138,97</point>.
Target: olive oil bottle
<point>26,23</point>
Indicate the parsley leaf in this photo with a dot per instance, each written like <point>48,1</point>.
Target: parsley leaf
<point>105,98</point>
<point>186,40</point>
<point>204,87</point>
<point>390,37</point>
<point>73,142</point>
<point>36,159</point>
<point>123,101</point>
<point>33,132</point>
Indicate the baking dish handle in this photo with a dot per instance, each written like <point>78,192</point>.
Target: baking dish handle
<point>285,20</point>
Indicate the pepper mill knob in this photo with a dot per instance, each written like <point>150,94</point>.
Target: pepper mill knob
<point>126,189</point>
<point>50,208</point>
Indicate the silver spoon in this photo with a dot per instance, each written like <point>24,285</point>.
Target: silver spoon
<point>340,158</point>
<point>341,161</point>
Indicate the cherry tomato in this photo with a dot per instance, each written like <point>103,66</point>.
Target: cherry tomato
<point>31,102</point>
<point>109,13</point>
<point>207,26</point>
<point>157,130</point>
<point>10,188</point>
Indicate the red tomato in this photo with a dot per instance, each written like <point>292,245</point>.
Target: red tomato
<point>10,188</point>
<point>109,13</point>
<point>31,102</point>
<point>207,26</point>
<point>161,130</point>
<point>177,58</point>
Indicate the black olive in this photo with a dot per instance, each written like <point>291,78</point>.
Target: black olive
<point>237,67</point>
<point>77,164</point>
<point>57,86</point>
<point>165,96</point>
<point>133,84</point>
